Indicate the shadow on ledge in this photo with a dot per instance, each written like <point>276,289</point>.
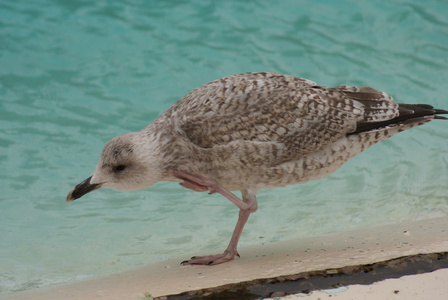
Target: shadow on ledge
<point>307,282</point>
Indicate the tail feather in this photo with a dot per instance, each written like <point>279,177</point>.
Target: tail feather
<point>405,112</point>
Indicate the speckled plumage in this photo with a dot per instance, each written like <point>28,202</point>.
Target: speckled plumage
<point>259,130</point>
<point>252,131</point>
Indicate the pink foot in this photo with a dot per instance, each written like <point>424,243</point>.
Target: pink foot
<point>196,183</point>
<point>210,260</point>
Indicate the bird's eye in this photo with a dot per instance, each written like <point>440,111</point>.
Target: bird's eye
<point>119,168</point>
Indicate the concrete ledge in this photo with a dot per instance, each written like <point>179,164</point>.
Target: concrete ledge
<point>349,248</point>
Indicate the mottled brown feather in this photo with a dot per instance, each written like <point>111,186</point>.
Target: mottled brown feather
<point>273,108</point>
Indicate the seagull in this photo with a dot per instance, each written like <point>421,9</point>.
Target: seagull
<point>248,132</point>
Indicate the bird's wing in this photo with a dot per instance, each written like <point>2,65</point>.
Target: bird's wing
<point>292,112</point>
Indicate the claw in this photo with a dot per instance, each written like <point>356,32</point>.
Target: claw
<point>210,260</point>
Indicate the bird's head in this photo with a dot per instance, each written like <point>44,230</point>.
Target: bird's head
<point>127,162</point>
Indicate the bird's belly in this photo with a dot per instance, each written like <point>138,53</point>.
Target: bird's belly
<point>312,166</point>
<point>323,162</point>
<point>308,167</point>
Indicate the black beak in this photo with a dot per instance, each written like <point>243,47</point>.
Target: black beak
<point>82,189</point>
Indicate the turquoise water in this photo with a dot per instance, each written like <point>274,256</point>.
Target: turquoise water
<point>74,74</point>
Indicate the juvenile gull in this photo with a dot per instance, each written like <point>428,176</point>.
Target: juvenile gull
<point>252,131</point>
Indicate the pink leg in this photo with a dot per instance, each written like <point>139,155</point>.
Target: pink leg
<point>202,184</point>
<point>247,206</point>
